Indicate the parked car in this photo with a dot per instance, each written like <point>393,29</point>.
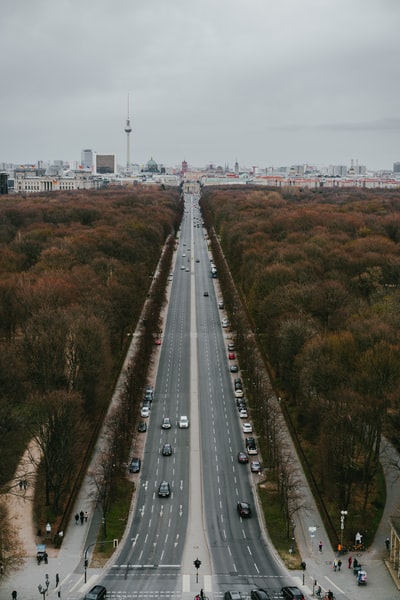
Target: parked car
<point>234,368</point>
<point>239,393</point>
<point>164,489</point>
<point>244,509</point>
<point>145,412</point>
<point>221,304</point>
<point>243,413</point>
<point>142,427</point>
<point>255,466</point>
<point>247,428</point>
<point>231,346</point>
<point>231,356</point>
<point>135,465</point>
<point>291,592</point>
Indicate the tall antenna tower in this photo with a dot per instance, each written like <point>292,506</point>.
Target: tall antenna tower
<point>128,131</point>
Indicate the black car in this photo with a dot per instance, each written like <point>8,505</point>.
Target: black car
<point>142,427</point>
<point>135,465</point>
<point>166,450</point>
<point>164,490</point>
<point>291,592</point>
<point>244,509</point>
<point>205,294</point>
<point>232,596</point>
<point>98,592</point>
<point>259,595</point>
<point>234,368</point>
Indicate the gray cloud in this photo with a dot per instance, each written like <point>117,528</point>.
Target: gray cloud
<point>263,82</point>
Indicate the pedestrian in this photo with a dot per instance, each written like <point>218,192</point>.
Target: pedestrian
<point>57,579</point>
<point>86,516</point>
<point>76,519</point>
<point>350,561</point>
<point>318,592</point>
<point>334,565</point>
<point>46,558</point>
<point>201,594</point>
<point>387,542</point>
<point>14,595</point>
<point>82,516</point>
<point>320,546</point>
<point>339,564</point>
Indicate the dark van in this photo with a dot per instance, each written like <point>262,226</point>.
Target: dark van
<point>98,592</point>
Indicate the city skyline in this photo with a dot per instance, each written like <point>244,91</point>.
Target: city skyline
<point>269,85</point>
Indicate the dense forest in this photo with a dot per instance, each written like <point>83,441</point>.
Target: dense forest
<point>319,273</point>
<point>75,269</point>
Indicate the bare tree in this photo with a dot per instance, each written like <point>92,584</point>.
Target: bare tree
<point>11,549</point>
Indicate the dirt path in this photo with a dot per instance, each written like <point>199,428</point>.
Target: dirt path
<point>19,500</point>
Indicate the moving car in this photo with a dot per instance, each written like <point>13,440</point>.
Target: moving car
<point>232,596</point>
<point>291,592</point>
<point>166,450</point>
<point>135,465</point>
<point>244,509</point>
<point>142,427</point>
<point>205,293</point>
<point>183,422</point>
<point>98,592</point>
<point>166,423</point>
<point>259,595</point>
<point>164,490</point>
<point>243,458</point>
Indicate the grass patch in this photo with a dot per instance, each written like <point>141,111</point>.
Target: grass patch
<point>271,507</point>
<point>117,519</point>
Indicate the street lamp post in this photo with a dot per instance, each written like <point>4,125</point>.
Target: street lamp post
<point>343,515</point>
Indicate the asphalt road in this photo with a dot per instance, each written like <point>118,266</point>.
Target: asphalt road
<point>199,519</point>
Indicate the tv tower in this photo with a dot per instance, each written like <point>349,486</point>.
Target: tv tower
<point>128,130</point>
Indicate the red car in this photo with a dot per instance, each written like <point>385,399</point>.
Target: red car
<point>158,342</point>
<point>231,356</point>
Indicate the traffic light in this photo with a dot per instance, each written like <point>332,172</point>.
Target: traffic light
<point>197,563</point>
<point>303,565</point>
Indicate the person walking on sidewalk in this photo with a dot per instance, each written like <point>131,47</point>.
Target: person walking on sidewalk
<point>14,595</point>
<point>350,561</point>
<point>320,546</point>
<point>339,564</point>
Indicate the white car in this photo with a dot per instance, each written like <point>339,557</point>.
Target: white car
<point>145,411</point>
<point>243,413</point>
<point>183,422</point>
<point>239,393</point>
<point>247,428</point>
<point>166,423</point>
<point>224,323</point>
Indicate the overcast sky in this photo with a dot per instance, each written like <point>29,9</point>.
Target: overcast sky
<point>268,83</point>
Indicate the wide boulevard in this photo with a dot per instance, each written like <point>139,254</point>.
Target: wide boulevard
<point>199,520</point>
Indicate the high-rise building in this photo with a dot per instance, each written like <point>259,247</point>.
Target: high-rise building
<point>87,159</point>
<point>128,131</point>
<point>105,163</point>
<point>396,167</point>
<point>3,183</point>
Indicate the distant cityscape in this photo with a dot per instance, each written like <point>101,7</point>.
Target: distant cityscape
<point>94,171</point>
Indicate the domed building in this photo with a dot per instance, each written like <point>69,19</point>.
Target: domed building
<point>151,166</point>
